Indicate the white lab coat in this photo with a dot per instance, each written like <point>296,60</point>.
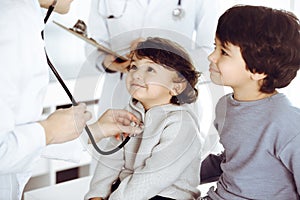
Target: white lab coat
<point>23,82</point>
<point>143,18</point>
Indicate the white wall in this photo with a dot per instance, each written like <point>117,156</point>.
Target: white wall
<point>64,49</point>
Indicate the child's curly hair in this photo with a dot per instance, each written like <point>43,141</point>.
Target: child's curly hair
<point>173,57</point>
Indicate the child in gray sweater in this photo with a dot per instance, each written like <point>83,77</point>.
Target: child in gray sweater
<point>257,50</point>
<point>163,161</point>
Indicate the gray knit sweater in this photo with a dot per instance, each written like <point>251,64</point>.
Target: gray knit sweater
<point>164,160</point>
<point>262,149</point>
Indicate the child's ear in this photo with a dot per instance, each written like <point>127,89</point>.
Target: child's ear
<point>178,88</point>
<point>258,76</point>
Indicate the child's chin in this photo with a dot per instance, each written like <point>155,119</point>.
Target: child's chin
<point>137,97</point>
<point>134,94</point>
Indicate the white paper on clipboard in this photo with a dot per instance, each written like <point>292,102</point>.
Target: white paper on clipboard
<point>91,41</point>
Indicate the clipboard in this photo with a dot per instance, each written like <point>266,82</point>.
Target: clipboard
<point>79,31</point>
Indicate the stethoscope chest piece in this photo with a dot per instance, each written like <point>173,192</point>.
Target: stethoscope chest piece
<point>178,13</point>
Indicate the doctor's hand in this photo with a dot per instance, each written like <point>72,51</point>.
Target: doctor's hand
<point>65,124</point>
<point>135,42</point>
<point>114,122</point>
<point>112,65</point>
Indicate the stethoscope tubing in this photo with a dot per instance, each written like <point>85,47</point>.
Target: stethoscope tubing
<point>74,103</point>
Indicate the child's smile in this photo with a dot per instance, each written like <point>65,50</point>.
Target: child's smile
<point>149,82</point>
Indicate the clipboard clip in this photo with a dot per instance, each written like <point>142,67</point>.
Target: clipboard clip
<point>80,30</point>
<point>80,27</point>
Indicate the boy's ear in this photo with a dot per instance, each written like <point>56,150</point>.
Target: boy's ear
<point>258,76</point>
<point>178,88</point>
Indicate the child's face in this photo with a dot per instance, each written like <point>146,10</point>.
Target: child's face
<point>228,67</point>
<point>150,83</point>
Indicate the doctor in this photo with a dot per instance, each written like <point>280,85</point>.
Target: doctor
<point>117,23</point>
<point>23,83</point>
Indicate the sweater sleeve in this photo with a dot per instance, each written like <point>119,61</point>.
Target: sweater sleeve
<point>290,156</point>
<point>179,145</point>
<point>106,172</point>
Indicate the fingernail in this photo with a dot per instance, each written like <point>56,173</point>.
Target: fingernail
<point>141,125</point>
<point>133,124</point>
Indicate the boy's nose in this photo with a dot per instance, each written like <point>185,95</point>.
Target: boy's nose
<point>212,57</point>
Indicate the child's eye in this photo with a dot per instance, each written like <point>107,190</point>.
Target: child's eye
<point>224,53</point>
<point>131,67</point>
<point>150,69</point>
<point>215,46</point>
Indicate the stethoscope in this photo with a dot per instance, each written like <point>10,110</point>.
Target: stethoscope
<point>177,13</point>
<point>74,103</point>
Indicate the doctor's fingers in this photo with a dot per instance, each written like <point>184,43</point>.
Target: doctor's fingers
<point>135,42</point>
<point>112,63</point>
<point>81,110</point>
<point>81,107</point>
<point>81,116</point>
<point>131,130</point>
<point>108,59</point>
<point>119,66</point>
<point>123,116</point>
<point>128,123</point>
<point>64,125</point>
